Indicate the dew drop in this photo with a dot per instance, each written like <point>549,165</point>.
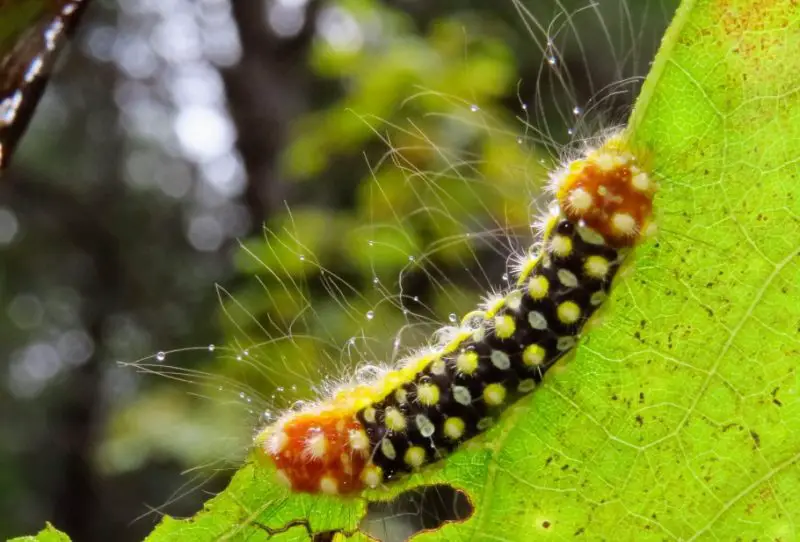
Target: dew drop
<point>376,280</point>
<point>519,140</point>
<point>211,347</point>
<point>246,353</point>
<point>370,315</point>
<point>280,389</point>
<point>371,243</point>
<point>161,356</point>
<point>524,107</point>
<point>416,299</point>
<point>474,108</point>
<point>505,277</point>
<point>452,317</point>
<point>411,258</point>
<point>577,111</point>
<point>571,131</point>
<point>241,395</point>
<point>551,60</point>
<point>238,358</point>
<point>302,258</point>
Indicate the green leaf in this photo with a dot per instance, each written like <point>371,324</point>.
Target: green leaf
<point>679,416</point>
<point>48,534</point>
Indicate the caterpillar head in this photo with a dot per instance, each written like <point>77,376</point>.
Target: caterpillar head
<point>609,192</point>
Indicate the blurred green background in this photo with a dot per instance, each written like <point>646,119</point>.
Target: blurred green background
<point>376,143</point>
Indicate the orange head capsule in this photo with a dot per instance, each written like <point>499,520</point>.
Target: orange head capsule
<point>609,193</point>
<point>320,452</point>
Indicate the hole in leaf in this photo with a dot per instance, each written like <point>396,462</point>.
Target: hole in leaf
<point>423,508</point>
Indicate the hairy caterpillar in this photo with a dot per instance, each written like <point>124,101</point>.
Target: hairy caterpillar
<point>411,416</point>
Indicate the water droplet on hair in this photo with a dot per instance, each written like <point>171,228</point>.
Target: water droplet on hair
<point>411,258</point>
<point>416,299</point>
<point>161,356</point>
<point>238,358</point>
<point>452,317</point>
<point>505,277</point>
<point>376,280</point>
<point>302,258</point>
<point>246,352</point>
<point>519,140</point>
<point>577,110</point>
<point>571,131</point>
<point>474,108</point>
<point>370,315</point>
<point>280,389</point>
<point>524,107</point>
<point>241,395</point>
<point>552,60</point>
<point>211,347</point>
<point>371,243</point>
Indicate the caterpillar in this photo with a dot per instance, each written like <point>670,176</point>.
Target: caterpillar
<point>367,434</point>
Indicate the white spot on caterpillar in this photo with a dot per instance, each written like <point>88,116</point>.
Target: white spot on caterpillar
<point>580,201</point>
<point>624,224</point>
<point>315,446</point>
<point>276,442</point>
<point>485,423</point>
<point>567,278</point>
<point>598,298</point>
<point>462,395</point>
<point>588,235</point>
<point>565,343</point>
<point>387,448</point>
<point>500,360</point>
<point>425,426</point>
<point>328,485</point>
<point>359,441</point>
<point>526,385</point>
<point>641,182</point>
<point>537,320</point>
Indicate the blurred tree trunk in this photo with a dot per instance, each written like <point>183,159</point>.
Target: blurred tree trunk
<point>77,498</point>
<point>266,91</point>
